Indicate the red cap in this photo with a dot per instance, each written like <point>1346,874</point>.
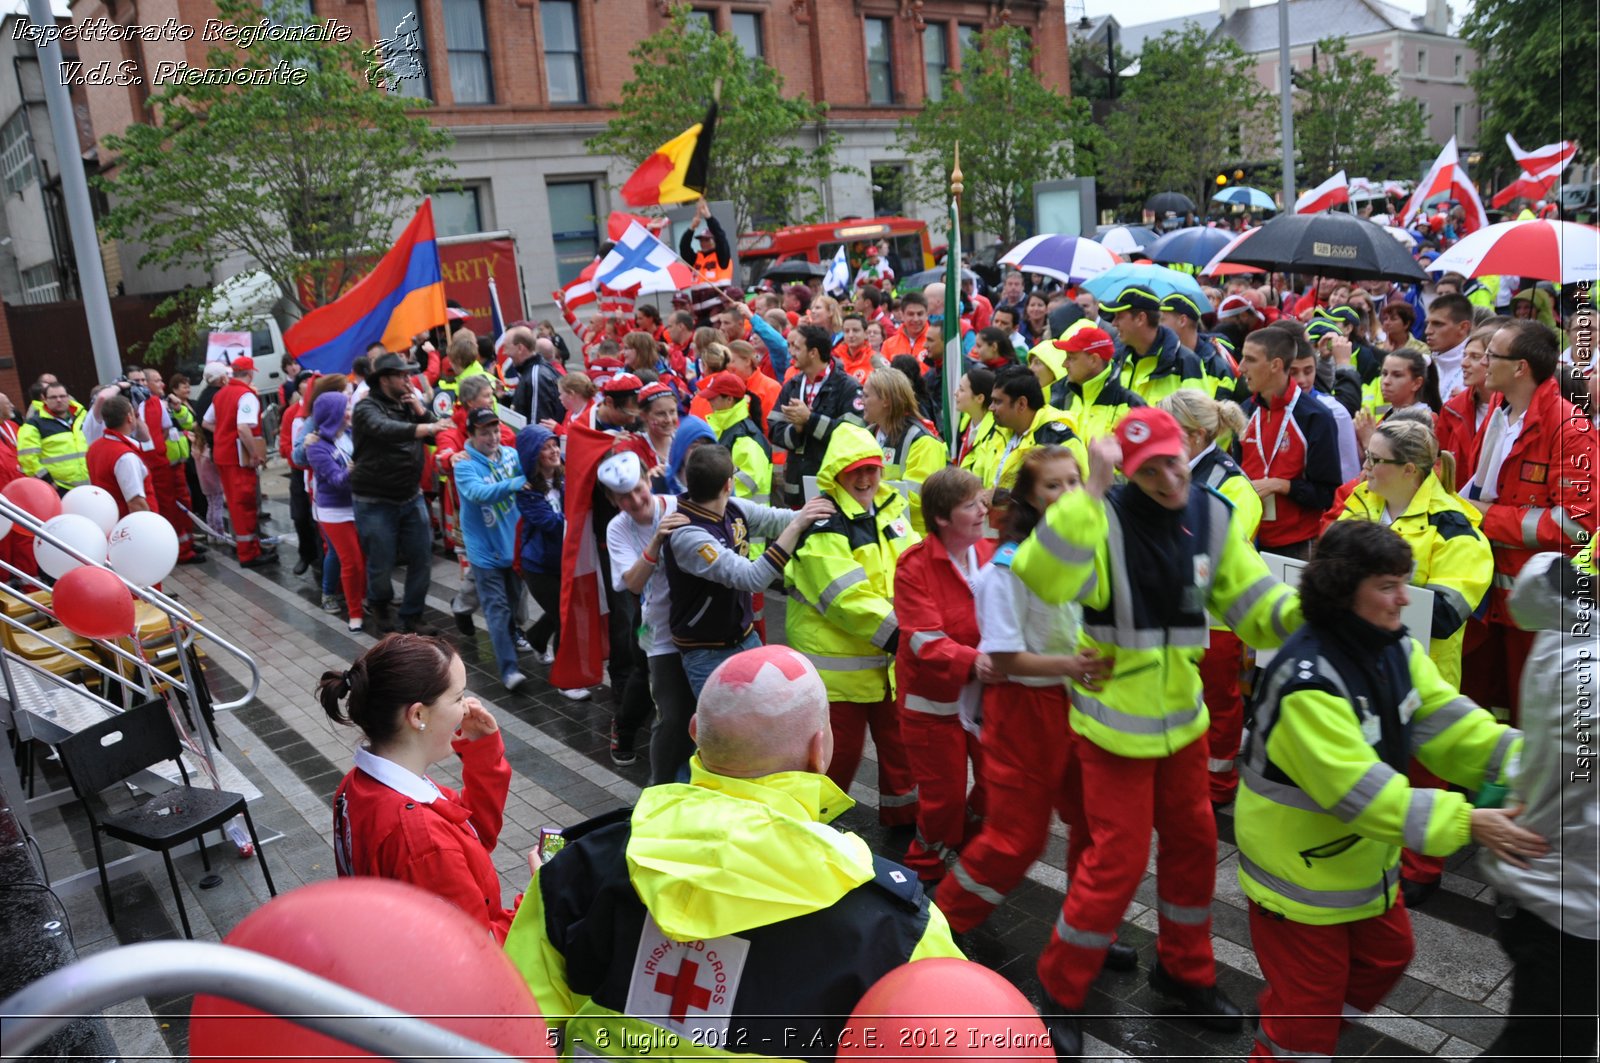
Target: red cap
<point>652,391</point>
<point>724,383</point>
<point>1095,341</point>
<point>243,364</point>
<point>862,463</point>
<point>1233,306</point>
<point>622,382</point>
<point>794,318</point>
<point>1148,432</point>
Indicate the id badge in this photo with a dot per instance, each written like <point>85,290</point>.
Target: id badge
<point>1269,508</point>
<point>644,637</point>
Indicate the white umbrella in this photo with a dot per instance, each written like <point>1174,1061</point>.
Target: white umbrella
<point>1125,240</point>
<point>1561,251</point>
<point>1069,259</point>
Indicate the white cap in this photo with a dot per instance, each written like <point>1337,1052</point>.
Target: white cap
<point>620,472</point>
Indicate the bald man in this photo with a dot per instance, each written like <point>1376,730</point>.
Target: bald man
<point>684,921</point>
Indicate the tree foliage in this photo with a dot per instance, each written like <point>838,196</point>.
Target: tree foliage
<point>1194,110</point>
<point>772,155</point>
<point>1350,117</point>
<point>1090,70</point>
<point>305,174</point>
<point>1013,130</point>
<point>1536,77</point>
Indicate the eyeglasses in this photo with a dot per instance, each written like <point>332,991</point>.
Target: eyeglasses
<point>1369,461</point>
<point>1503,357</point>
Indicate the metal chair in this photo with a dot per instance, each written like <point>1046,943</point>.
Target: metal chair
<point>123,746</point>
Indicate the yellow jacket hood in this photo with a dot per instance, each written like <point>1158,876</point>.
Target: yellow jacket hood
<point>848,445</point>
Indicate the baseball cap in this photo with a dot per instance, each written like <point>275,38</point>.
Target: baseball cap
<point>389,362</point>
<point>1348,315</point>
<point>622,382</point>
<point>1133,297</point>
<point>479,417</point>
<point>704,233</point>
<point>862,463</point>
<point>653,390</point>
<point>1177,303</point>
<point>1095,341</point>
<point>1318,330</point>
<point>243,364</point>
<point>1233,306</point>
<point>1148,432</point>
<point>725,384</point>
<point>620,472</point>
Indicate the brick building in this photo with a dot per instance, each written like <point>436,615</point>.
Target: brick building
<point>523,83</point>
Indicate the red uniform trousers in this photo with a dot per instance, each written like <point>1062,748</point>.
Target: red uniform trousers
<point>1492,656</point>
<point>1219,676</point>
<point>171,489</point>
<point>897,790</point>
<point>938,749</point>
<point>1028,769</point>
<point>1312,972</point>
<point>341,535</point>
<point>240,486</point>
<point>1124,799</point>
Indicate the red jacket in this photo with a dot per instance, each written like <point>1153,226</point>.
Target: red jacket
<point>1308,458</point>
<point>938,626</point>
<point>1545,495</point>
<point>102,458</point>
<point>442,846</point>
<point>1457,426</point>
<point>9,467</point>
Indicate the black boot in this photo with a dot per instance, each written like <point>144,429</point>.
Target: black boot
<point>381,616</point>
<point>1122,957</point>
<point>1207,1005</point>
<point>1066,1032</point>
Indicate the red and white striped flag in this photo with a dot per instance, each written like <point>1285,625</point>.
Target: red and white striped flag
<point>1447,177</point>
<point>1329,194</point>
<point>582,290</point>
<point>1547,161</point>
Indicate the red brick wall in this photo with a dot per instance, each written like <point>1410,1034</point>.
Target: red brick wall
<point>10,382</point>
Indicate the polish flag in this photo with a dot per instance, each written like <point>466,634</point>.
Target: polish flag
<point>1447,177</point>
<point>1547,161</point>
<point>1329,194</point>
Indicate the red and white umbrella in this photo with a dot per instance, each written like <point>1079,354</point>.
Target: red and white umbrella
<point>1561,251</point>
<point>1219,266</point>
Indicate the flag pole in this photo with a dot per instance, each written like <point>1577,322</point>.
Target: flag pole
<point>953,362</point>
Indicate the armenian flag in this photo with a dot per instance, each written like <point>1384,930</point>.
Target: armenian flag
<point>677,171</point>
<point>402,296</point>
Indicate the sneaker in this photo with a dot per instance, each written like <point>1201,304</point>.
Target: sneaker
<point>464,624</point>
<point>523,645</point>
<point>547,656</point>
<point>332,604</point>
<point>576,694</point>
<point>357,625</point>
<point>621,752</point>
<point>514,680</point>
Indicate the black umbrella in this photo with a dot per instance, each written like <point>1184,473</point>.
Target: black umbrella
<point>795,269</point>
<point>918,281</point>
<point>1331,244</point>
<point>1170,203</point>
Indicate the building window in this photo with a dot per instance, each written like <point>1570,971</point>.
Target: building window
<point>747,30</point>
<point>966,42</point>
<point>888,189</point>
<point>16,155</point>
<point>467,40</point>
<point>563,50</point>
<point>880,65</point>
<point>1458,66</point>
<point>39,284</point>
<point>1455,120</point>
<point>400,21</point>
<point>573,228</point>
<point>1422,60</point>
<point>935,57</point>
<point>458,212</point>
<point>706,20</point>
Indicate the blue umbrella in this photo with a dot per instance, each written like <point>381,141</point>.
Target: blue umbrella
<point>1159,279</point>
<point>1245,196</point>
<point>1194,246</point>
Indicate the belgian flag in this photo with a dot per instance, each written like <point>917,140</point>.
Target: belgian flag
<point>676,172</point>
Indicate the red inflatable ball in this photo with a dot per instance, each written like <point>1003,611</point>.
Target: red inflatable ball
<point>34,496</point>
<point>387,940</point>
<point>94,603</point>
<point>944,1008</point>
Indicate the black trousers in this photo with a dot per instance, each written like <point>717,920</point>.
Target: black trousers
<point>305,525</point>
<point>630,675</point>
<point>1553,985</point>
<point>546,590</point>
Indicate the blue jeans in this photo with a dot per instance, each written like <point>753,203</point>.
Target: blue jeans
<point>497,589</point>
<point>330,569</point>
<point>396,533</point>
<point>699,664</point>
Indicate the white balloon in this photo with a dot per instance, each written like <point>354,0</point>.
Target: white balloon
<point>78,532</point>
<point>93,502</point>
<point>143,548</point>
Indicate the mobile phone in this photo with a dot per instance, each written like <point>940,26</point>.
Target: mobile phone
<point>550,842</point>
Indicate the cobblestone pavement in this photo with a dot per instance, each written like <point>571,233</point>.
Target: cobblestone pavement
<point>1448,1005</point>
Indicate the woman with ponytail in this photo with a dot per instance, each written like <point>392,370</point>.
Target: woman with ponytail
<point>408,696</point>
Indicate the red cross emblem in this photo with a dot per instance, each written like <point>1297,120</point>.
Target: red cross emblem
<point>683,991</point>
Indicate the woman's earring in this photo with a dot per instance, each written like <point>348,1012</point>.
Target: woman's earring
<point>422,726</point>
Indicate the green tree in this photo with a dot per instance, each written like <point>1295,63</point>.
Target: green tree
<point>1013,130</point>
<point>1350,117</point>
<point>299,163</point>
<point>1536,77</point>
<point>1194,110</point>
<point>1090,80</point>
<point>772,155</point>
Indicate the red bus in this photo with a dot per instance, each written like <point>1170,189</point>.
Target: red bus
<point>908,248</point>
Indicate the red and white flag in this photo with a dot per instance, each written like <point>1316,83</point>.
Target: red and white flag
<point>1547,161</point>
<point>1446,177</point>
<point>1330,193</point>
<point>583,290</point>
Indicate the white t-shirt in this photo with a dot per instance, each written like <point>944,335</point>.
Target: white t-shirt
<point>1501,436</point>
<point>1012,619</point>
<point>129,471</point>
<point>1345,432</point>
<point>626,540</point>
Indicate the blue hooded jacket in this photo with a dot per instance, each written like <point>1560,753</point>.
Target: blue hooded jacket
<point>543,524</point>
<point>487,486</point>
<point>690,431</point>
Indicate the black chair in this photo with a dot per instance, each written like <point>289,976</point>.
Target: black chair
<point>124,745</point>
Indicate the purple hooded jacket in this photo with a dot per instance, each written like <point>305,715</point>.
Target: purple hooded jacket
<point>329,463</point>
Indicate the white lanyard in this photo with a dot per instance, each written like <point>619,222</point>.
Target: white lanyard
<point>1283,432</point>
<point>810,391</point>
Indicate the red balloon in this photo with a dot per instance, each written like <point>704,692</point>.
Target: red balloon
<point>390,941</point>
<point>35,496</point>
<point>94,603</point>
<point>944,1008</point>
